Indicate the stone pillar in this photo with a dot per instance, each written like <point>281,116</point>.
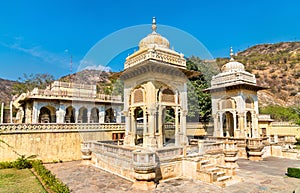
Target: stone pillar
<point>60,115</point>
<point>177,125</point>
<point>216,124</point>
<point>145,131</point>
<point>76,115</point>
<point>245,124</point>
<point>2,110</point>
<point>221,124</point>
<point>130,128</point>
<point>151,125</point>
<point>101,114</point>
<point>88,115</point>
<point>234,124</point>
<point>28,113</point>
<point>183,137</point>
<point>11,114</point>
<point>117,111</point>
<point>159,136</point>
<point>35,113</point>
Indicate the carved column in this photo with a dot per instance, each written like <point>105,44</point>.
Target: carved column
<point>152,141</point>
<point>76,115</point>
<point>60,115</point>
<point>216,124</point>
<point>221,124</point>
<point>183,137</point>
<point>145,130</point>
<point>234,124</point>
<point>101,114</point>
<point>88,115</point>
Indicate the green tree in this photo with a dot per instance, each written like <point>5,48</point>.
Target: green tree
<point>29,82</point>
<point>199,102</point>
<point>282,113</point>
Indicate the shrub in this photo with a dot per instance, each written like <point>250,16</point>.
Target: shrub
<point>5,165</point>
<point>48,178</point>
<point>293,172</point>
<point>22,162</point>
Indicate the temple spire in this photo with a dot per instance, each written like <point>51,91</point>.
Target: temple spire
<point>154,24</point>
<point>231,54</point>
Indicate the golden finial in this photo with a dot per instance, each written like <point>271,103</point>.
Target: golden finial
<point>153,24</point>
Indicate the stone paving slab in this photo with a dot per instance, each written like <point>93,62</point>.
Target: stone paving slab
<point>266,176</point>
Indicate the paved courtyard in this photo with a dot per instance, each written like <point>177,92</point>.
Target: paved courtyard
<point>259,177</point>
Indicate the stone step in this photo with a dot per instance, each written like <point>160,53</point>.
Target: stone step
<point>223,178</point>
<point>212,169</point>
<point>221,173</point>
<point>207,166</point>
<point>204,161</point>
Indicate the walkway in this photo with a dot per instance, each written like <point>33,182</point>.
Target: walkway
<point>259,177</point>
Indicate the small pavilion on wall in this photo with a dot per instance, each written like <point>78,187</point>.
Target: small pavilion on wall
<point>155,92</point>
<point>234,101</point>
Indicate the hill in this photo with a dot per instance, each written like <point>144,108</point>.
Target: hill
<point>276,66</point>
<point>6,90</point>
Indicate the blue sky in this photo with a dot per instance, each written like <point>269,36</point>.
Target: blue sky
<point>34,35</point>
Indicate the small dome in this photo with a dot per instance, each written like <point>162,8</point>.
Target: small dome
<point>232,65</point>
<point>154,39</point>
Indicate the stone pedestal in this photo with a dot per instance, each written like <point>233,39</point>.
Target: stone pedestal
<point>254,149</point>
<point>86,155</point>
<point>231,154</point>
<point>144,169</point>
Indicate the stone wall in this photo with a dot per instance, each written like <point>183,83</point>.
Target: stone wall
<point>284,128</point>
<point>51,143</point>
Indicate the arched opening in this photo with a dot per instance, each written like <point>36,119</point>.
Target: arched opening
<point>168,127</point>
<point>94,115</point>
<point>109,116</point>
<point>45,115</point>
<point>249,103</point>
<point>228,125</point>
<point>82,117</point>
<point>249,124</point>
<point>138,116</point>
<point>70,115</point>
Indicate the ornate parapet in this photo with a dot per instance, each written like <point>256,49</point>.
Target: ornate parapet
<point>59,127</point>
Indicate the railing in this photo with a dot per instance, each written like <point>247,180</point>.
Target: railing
<point>73,93</point>
<point>57,127</point>
<point>169,153</point>
<point>157,55</point>
<point>119,151</point>
<point>285,124</point>
<point>226,78</point>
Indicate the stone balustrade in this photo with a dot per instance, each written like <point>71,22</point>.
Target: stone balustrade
<point>227,78</point>
<point>72,94</point>
<point>57,127</point>
<point>156,55</point>
<point>168,153</point>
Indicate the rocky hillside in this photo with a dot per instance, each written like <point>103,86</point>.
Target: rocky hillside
<point>100,78</point>
<point>276,66</point>
<point>6,90</point>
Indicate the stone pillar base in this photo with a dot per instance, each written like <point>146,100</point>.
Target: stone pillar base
<point>255,156</point>
<point>143,185</point>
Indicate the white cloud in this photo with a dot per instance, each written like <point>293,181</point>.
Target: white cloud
<point>87,65</point>
<point>37,52</point>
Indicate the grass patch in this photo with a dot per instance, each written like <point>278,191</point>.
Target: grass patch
<point>19,181</point>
